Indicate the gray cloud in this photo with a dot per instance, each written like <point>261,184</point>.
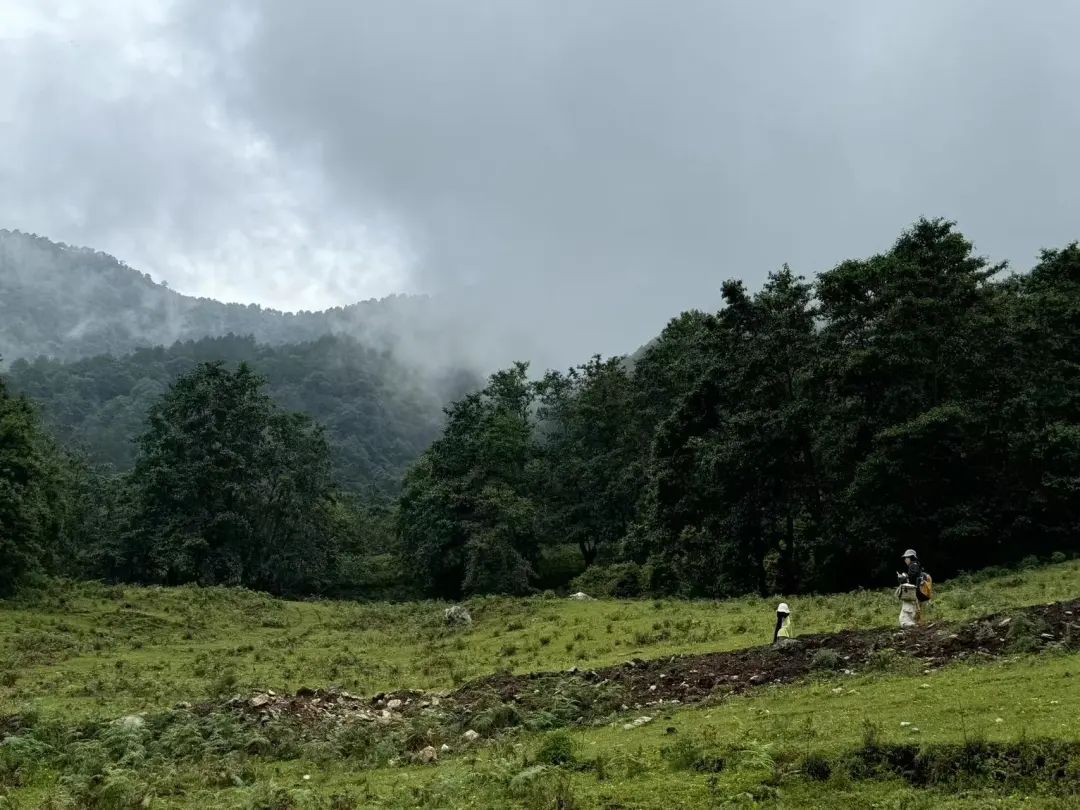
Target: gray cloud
<point>569,175</point>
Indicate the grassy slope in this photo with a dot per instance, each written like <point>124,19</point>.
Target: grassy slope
<point>87,650</point>
<point>1034,697</point>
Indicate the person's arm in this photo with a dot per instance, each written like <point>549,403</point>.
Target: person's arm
<point>779,624</point>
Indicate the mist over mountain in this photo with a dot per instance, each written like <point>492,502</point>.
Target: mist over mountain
<point>95,342</point>
<point>69,302</point>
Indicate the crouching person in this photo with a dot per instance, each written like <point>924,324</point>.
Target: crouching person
<point>784,632</point>
<point>909,603</point>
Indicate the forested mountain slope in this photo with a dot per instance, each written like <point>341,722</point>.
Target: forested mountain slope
<point>379,414</point>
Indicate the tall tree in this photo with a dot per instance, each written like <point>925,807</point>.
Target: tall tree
<point>229,489</point>
<point>467,516</point>
<point>593,463</point>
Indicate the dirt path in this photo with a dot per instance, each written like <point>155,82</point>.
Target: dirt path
<point>689,679</point>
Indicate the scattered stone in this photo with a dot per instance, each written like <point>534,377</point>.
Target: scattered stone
<point>259,700</point>
<point>904,723</point>
<point>428,755</point>
<point>652,687</point>
<point>1005,621</point>
<point>1047,636</point>
<point>757,679</point>
<point>838,690</point>
<point>458,616</point>
<point>998,720</point>
<point>445,748</point>
<point>393,704</point>
<point>471,736</point>
<point>924,686</point>
<point>638,723</point>
<point>307,777</point>
<point>581,596</point>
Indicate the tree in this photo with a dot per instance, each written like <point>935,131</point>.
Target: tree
<point>467,516</point>
<point>734,494</point>
<point>26,482</point>
<point>593,463</point>
<point>229,489</point>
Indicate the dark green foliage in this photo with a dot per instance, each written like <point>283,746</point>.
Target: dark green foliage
<point>467,514</point>
<point>229,489</point>
<point>557,748</point>
<point>378,415</point>
<point>797,440</point>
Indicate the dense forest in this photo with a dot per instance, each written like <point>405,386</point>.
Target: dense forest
<point>379,414</point>
<point>796,440</point>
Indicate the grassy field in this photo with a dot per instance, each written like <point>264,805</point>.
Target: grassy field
<point>93,651</point>
<point>78,656</point>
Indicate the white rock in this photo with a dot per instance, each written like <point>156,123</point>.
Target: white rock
<point>471,736</point>
<point>637,723</point>
<point>428,755</point>
<point>445,748</point>
<point>458,616</point>
<point>393,704</point>
<point>581,596</point>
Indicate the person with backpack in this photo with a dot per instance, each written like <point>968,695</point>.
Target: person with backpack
<point>924,588</point>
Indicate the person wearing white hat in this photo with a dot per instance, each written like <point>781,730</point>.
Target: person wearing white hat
<point>783,623</point>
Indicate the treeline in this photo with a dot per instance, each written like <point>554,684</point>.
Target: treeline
<point>379,414</point>
<point>227,488</point>
<point>797,440</point>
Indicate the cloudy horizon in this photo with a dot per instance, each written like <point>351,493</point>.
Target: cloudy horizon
<point>572,174</point>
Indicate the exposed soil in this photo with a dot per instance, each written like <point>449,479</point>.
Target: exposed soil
<point>688,679</point>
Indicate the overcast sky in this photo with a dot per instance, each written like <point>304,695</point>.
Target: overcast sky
<point>575,172</point>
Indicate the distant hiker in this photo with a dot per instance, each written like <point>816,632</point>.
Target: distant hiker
<point>783,623</point>
<point>924,585</point>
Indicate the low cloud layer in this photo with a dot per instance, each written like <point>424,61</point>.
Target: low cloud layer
<point>568,175</point>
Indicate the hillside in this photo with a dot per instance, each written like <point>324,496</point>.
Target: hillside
<point>378,413</point>
<point>194,697</point>
<point>70,302</point>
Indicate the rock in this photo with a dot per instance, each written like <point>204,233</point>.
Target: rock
<point>393,704</point>
<point>458,616</point>
<point>428,755</point>
<point>131,722</point>
<point>182,705</point>
<point>637,723</point>
<point>1047,636</point>
<point>259,700</point>
<point>1004,621</point>
<point>470,736</point>
<point>756,679</point>
<point>581,596</point>
<point>445,748</point>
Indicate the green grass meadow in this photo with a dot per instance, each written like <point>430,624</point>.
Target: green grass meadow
<point>76,656</point>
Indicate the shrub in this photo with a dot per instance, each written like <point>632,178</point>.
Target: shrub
<point>826,659</point>
<point>558,748</point>
<point>624,580</point>
<point>816,766</point>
